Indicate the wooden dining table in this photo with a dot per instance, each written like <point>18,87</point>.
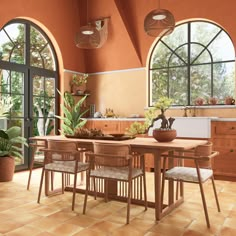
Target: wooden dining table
<point>143,146</point>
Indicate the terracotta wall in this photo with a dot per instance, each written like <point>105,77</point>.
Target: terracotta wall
<point>127,46</point>
<point>58,18</point>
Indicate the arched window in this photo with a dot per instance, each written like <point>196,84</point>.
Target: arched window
<point>196,60</point>
<point>28,74</point>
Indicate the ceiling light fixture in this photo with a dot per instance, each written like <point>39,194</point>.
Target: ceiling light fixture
<point>159,21</point>
<point>93,35</point>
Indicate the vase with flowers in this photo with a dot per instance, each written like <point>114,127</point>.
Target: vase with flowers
<point>165,133</point>
<point>77,83</point>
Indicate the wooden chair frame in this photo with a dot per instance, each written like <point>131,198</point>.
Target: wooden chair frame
<point>197,161</point>
<point>110,161</point>
<point>67,162</point>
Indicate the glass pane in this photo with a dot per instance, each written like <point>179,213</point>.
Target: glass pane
<point>41,53</point>
<point>19,123</point>
<point>50,86</point>
<point>159,84</point>
<point>18,107</point>
<point>178,37</point>
<point>38,85</point>
<point>48,58</point>
<point>160,56</point>
<point>222,48</point>
<point>203,32</point>
<point>200,82</point>
<point>178,86</point>
<point>17,82</point>
<point>5,81</point>
<point>12,43</point>
<point>224,81</point>
<point>180,58</point>
<point>6,46</point>
<point>198,56</point>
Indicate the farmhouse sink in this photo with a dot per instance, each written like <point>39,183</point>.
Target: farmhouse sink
<point>190,127</point>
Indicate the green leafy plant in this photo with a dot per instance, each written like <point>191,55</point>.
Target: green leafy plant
<point>6,104</point>
<point>10,141</point>
<point>79,80</point>
<point>163,104</point>
<point>142,128</point>
<point>73,114</point>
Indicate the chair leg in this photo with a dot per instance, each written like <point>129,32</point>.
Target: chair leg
<point>52,177</point>
<point>145,191</point>
<point>30,172</point>
<point>106,190</point>
<point>41,185</point>
<point>128,201</point>
<point>94,188</point>
<point>163,182</point>
<point>86,190</point>
<point>215,193</point>
<point>62,182</point>
<point>202,194</point>
<point>74,192</point>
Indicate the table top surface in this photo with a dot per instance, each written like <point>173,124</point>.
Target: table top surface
<point>176,144</point>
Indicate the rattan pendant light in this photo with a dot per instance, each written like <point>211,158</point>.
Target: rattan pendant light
<point>93,35</point>
<point>159,21</point>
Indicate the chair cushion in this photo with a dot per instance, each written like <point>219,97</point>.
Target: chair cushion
<point>66,166</point>
<point>115,173</point>
<point>188,174</point>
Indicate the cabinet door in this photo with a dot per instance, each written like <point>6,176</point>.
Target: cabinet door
<point>107,126</point>
<point>225,163</point>
<point>89,124</point>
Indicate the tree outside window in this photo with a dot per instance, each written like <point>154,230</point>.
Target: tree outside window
<point>196,60</point>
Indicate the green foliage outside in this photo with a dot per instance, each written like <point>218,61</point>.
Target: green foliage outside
<point>171,61</point>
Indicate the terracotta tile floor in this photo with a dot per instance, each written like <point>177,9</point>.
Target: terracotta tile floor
<point>20,215</point>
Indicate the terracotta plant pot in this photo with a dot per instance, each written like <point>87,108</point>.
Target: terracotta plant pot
<point>7,168</point>
<point>164,135</point>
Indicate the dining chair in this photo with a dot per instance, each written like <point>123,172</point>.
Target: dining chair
<point>37,157</point>
<point>116,163</point>
<point>66,158</point>
<point>201,172</point>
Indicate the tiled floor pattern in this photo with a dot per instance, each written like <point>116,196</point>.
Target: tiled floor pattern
<point>20,215</point>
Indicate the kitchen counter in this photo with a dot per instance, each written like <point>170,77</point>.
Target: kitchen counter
<point>119,118</point>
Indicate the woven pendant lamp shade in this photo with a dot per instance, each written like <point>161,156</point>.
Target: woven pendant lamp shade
<point>159,21</point>
<point>93,35</point>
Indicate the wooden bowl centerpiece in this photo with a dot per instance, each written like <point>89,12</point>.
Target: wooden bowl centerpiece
<point>164,135</point>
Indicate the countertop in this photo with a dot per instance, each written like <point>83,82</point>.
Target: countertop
<point>143,119</point>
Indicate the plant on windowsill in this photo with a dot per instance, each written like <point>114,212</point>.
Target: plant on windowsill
<point>165,133</point>
<point>11,143</point>
<point>77,83</point>
<point>72,114</point>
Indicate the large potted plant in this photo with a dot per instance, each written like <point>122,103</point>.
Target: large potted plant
<point>72,114</point>
<point>164,133</point>
<point>11,143</point>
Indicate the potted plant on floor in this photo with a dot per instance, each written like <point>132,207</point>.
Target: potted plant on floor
<point>10,143</point>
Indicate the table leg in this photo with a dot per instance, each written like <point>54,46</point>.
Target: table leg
<point>157,184</point>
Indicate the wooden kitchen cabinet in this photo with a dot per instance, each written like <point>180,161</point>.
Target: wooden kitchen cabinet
<point>223,134</point>
<point>107,126</point>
